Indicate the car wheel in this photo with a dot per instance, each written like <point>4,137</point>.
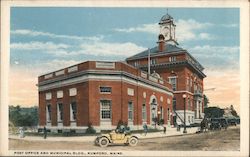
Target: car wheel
<point>133,141</point>
<point>103,142</point>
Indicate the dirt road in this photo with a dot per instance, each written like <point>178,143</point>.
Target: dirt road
<point>211,141</point>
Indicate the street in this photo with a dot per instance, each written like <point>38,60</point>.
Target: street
<point>223,140</point>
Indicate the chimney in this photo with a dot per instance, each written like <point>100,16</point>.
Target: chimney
<point>161,42</point>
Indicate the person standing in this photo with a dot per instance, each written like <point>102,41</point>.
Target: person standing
<point>164,129</point>
<point>44,132</point>
<point>145,128</point>
<point>21,132</point>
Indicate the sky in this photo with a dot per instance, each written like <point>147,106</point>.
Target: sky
<point>44,39</point>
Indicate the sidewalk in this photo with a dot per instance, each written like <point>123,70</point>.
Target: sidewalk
<point>169,132</point>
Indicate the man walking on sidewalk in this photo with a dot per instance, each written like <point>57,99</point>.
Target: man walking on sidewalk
<point>164,129</point>
<point>44,132</point>
<point>145,128</point>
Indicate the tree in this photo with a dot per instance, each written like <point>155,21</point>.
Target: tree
<point>233,111</point>
<point>23,116</point>
<point>213,112</point>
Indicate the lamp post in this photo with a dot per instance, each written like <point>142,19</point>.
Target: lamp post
<point>184,97</point>
<point>159,112</point>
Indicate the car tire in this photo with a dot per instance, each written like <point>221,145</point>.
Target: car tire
<point>103,142</point>
<point>133,141</point>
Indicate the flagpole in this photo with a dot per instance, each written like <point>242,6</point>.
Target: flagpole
<point>149,62</point>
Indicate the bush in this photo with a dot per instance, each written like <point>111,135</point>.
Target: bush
<point>90,129</point>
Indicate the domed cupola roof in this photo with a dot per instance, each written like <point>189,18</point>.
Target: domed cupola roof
<point>156,75</point>
<point>166,18</point>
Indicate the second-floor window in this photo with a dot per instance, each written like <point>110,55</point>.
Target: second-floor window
<point>136,63</point>
<point>174,104</point>
<point>153,61</point>
<point>172,59</point>
<point>107,90</point>
<point>173,82</point>
<point>187,84</point>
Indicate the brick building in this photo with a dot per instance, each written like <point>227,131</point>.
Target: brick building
<point>177,66</point>
<point>102,93</point>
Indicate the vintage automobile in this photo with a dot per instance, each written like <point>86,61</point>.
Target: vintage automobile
<point>116,137</point>
<point>232,121</point>
<point>218,123</point>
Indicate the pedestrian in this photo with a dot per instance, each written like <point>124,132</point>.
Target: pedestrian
<point>44,132</point>
<point>145,128</point>
<point>21,132</point>
<point>164,129</point>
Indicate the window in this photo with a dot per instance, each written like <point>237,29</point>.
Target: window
<point>73,111</point>
<point>189,119</point>
<point>174,104</point>
<point>189,104</point>
<point>162,113</point>
<point>60,112</point>
<point>130,110</point>
<point>153,61</point>
<point>48,113</point>
<point>172,59</point>
<point>136,63</point>
<point>105,90</point>
<point>172,81</point>
<point>105,109</point>
<point>48,96</point>
<point>72,92</point>
<point>195,88</point>
<point>191,83</point>
<point>187,84</point>
<point>144,113</point>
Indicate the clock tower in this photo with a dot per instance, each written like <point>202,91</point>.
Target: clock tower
<point>167,30</point>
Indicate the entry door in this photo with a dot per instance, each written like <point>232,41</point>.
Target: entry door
<point>153,110</point>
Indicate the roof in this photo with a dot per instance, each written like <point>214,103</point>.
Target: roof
<point>169,48</point>
<point>166,18</point>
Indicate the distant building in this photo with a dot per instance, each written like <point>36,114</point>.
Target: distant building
<point>177,66</point>
<point>102,93</point>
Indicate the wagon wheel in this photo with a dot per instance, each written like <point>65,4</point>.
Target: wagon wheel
<point>103,142</point>
<point>133,141</point>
